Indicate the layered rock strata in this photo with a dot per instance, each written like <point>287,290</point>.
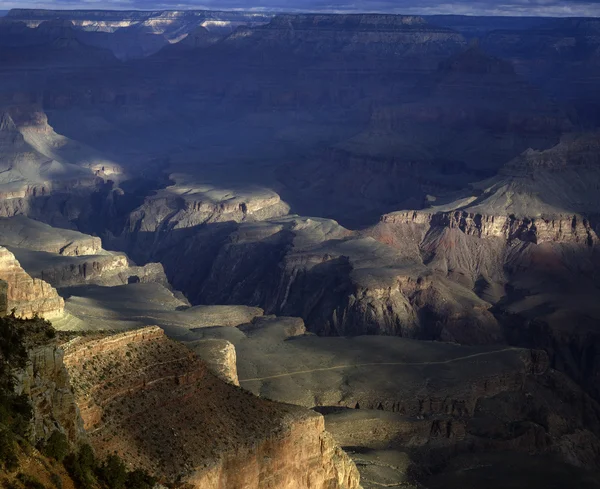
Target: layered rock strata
<point>149,390</point>
<point>26,295</point>
<point>45,381</point>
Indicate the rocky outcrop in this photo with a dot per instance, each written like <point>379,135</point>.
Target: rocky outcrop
<point>168,217</point>
<point>378,34</point>
<point>338,282</point>
<point>559,229</point>
<point>22,232</point>
<point>45,381</point>
<point>296,449</point>
<point>28,296</point>
<point>65,258</point>
<point>155,403</point>
<point>220,357</point>
<point>47,176</point>
<point>106,269</point>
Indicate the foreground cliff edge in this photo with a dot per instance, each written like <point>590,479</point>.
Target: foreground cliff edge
<point>154,404</point>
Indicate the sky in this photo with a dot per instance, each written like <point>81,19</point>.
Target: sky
<point>559,8</point>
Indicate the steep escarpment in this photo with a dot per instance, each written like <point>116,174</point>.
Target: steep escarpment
<point>38,406</point>
<point>340,283</point>
<point>65,258</point>
<point>28,296</point>
<point>45,381</point>
<point>136,34</point>
<point>46,175</point>
<point>176,212</point>
<point>463,122</point>
<point>219,436</point>
<point>527,241</point>
<point>428,400</point>
<point>395,35</point>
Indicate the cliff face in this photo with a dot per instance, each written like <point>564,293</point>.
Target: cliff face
<point>220,357</point>
<point>23,232</point>
<point>169,217</point>
<point>45,381</point>
<point>28,296</point>
<point>218,436</point>
<point>560,229</point>
<point>304,457</point>
<point>394,35</point>
<point>136,34</point>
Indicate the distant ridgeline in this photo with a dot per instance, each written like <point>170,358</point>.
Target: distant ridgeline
<point>133,16</point>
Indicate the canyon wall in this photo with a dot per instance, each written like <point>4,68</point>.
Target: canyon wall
<point>45,381</point>
<point>28,296</point>
<point>137,390</point>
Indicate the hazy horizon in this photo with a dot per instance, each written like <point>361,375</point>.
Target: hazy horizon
<point>511,8</point>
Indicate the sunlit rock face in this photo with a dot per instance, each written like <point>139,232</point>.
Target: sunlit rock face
<point>186,206</point>
<point>66,258</point>
<point>46,175</point>
<point>136,34</point>
<point>28,296</point>
<point>190,425</point>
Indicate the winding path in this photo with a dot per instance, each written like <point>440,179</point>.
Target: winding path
<point>383,364</point>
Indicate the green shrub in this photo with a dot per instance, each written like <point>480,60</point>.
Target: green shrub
<point>113,472</point>
<point>30,482</point>
<point>57,446</point>
<point>139,479</point>
<point>56,480</point>
<point>81,467</point>
<point>8,453</point>
<point>87,459</point>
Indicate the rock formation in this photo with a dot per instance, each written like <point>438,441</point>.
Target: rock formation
<point>46,382</point>
<point>22,232</point>
<point>66,258</point>
<point>136,34</point>
<point>177,211</point>
<point>340,283</point>
<point>219,436</point>
<point>220,357</point>
<point>392,35</point>
<point>384,397</point>
<point>28,296</point>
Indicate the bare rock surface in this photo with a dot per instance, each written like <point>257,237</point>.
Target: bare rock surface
<point>64,258</point>
<point>26,295</point>
<point>23,232</point>
<point>44,174</point>
<point>220,356</point>
<point>138,388</point>
<point>418,404</point>
<point>337,281</point>
<point>179,209</point>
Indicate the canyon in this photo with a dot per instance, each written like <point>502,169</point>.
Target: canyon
<point>308,250</point>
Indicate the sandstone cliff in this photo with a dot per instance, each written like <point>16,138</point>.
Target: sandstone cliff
<point>28,296</point>
<point>148,389</point>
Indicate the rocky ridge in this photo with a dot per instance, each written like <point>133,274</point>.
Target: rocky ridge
<point>66,258</point>
<point>287,442</point>
<point>43,172</point>
<point>28,296</point>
